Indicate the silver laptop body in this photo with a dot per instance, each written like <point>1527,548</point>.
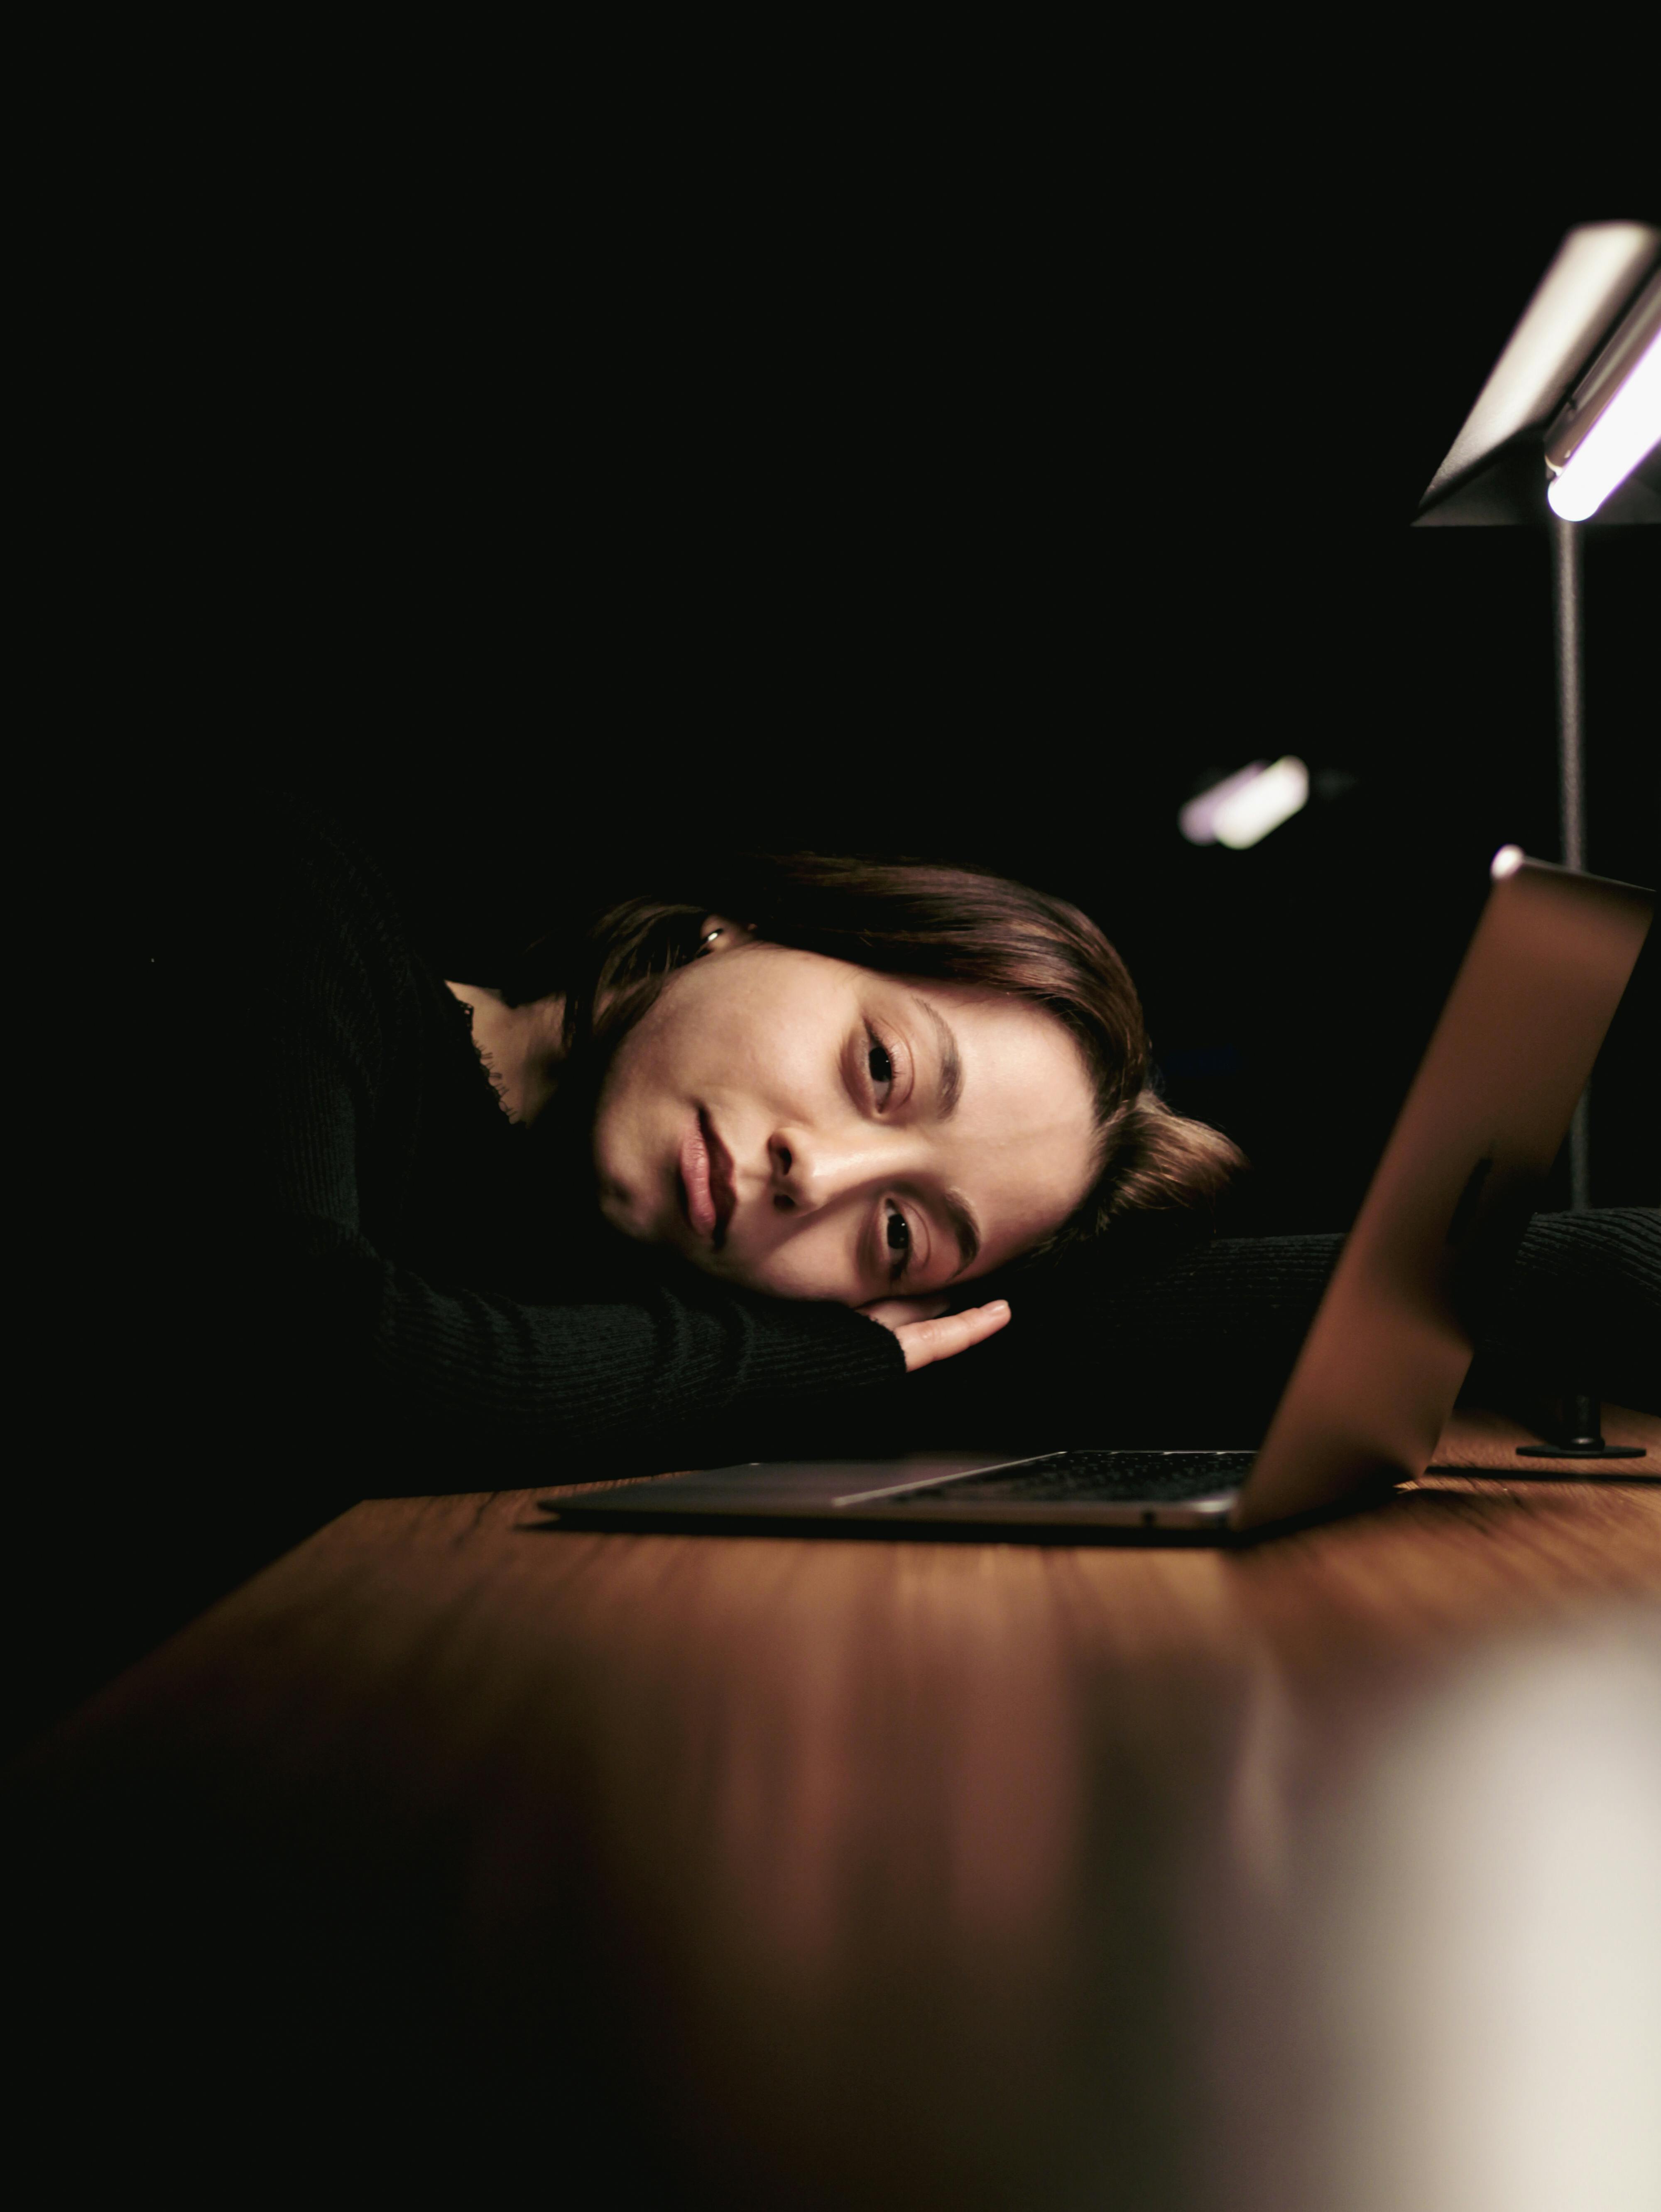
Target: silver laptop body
<point>1393,1337</point>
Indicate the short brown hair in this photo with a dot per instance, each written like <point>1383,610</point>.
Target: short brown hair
<point>927,921</point>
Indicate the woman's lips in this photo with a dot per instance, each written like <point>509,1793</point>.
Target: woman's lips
<point>706,1181</point>
<point>696,1195</point>
<point>722,1187</point>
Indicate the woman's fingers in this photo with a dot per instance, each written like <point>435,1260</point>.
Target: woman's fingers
<point>926,1332</point>
<point>924,1341</point>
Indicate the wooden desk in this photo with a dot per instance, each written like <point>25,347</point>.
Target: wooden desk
<point>836,1874</point>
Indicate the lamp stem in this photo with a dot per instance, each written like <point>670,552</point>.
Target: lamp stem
<point>1571,690</point>
<point>1580,1415</point>
<point>1571,781</point>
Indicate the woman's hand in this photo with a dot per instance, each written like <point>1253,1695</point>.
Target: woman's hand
<point>927,1332</point>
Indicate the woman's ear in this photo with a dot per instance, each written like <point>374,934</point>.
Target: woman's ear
<point>718,933</point>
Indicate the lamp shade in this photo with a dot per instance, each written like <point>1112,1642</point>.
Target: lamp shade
<point>1574,345</point>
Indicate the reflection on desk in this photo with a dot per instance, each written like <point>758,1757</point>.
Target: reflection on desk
<point>821,1873</point>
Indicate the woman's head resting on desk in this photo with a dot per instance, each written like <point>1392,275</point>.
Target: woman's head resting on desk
<point>849,1080</point>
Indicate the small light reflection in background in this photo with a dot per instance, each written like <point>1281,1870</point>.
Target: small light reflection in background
<point>1244,807</point>
<point>1492,1982</point>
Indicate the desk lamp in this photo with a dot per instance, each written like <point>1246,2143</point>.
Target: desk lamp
<point>1567,431</point>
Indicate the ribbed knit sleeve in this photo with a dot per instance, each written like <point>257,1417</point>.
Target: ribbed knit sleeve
<point>292,1096</point>
<point>1581,1312</point>
<point>469,1373</point>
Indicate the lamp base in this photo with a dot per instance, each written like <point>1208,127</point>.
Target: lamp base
<point>1582,1418</point>
<point>1599,1450</point>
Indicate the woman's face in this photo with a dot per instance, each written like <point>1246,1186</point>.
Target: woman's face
<point>811,1129</point>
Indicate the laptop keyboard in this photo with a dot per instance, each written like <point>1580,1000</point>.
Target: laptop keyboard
<point>1077,1478</point>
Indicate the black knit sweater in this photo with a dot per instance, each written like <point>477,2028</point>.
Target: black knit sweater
<point>362,1269</point>
<point>368,1259</point>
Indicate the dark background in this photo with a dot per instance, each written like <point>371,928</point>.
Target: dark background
<point>554,515</point>
<point>969,521</point>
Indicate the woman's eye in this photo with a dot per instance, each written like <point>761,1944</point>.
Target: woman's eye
<point>898,1234</point>
<point>880,1066</point>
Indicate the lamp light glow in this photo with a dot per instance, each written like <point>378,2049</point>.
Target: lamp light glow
<point>1627,429</point>
<point>1274,797</point>
<point>1505,862</point>
<point>1198,820</point>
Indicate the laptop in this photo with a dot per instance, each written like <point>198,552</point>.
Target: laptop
<point>1392,1341</point>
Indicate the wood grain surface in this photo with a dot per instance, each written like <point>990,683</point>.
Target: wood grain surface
<point>455,1849</point>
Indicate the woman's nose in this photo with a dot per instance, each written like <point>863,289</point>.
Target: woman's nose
<point>811,1172</point>
<point>786,1155</point>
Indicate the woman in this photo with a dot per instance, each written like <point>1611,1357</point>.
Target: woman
<point>715,1178</point>
<point>709,1161</point>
